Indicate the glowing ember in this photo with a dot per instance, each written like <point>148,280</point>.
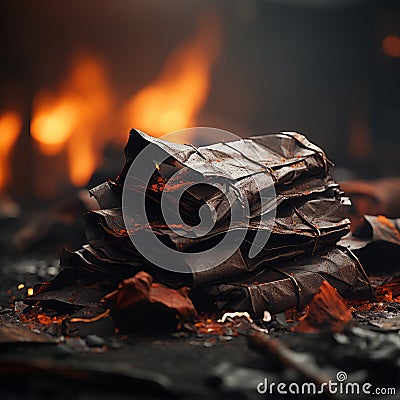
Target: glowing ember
<point>10,127</point>
<point>30,291</point>
<point>209,326</point>
<point>20,286</point>
<point>46,320</point>
<point>175,98</point>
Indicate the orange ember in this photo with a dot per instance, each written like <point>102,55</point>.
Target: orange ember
<point>210,327</point>
<point>34,317</point>
<point>10,127</point>
<point>159,186</point>
<point>178,94</point>
<point>46,320</point>
<point>390,292</point>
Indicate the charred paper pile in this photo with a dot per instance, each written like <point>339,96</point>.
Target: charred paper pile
<point>308,213</point>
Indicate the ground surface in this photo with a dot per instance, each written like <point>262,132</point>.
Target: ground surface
<point>178,364</point>
<point>161,365</point>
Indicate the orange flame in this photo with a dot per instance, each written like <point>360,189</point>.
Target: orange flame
<point>10,127</point>
<point>74,118</point>
<point>175,98</point>
<point>54,121</point>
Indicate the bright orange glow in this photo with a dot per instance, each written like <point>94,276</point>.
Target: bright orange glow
<point>74,118</point>
<point>391,46</point>
<point>178,94</point>
<point>83,156</point>
<point>54,121</point>
<point>78,118</point>
<point>10,127</point>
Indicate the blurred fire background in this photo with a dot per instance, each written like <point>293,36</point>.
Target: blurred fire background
<point>75,76</point>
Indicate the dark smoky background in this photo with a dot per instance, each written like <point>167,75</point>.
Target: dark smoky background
<point>328,69</point>
<point>118,296</point>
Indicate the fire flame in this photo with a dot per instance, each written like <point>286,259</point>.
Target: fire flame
<point>54,121</point>
<point>73,119</point>
<point>10,127</point>
<point>178,94</point>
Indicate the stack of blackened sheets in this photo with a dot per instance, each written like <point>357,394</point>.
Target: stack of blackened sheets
<point>290,196</point>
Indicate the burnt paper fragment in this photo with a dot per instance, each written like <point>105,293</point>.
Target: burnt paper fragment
<point>140,301</point>
<point>327,312</point>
